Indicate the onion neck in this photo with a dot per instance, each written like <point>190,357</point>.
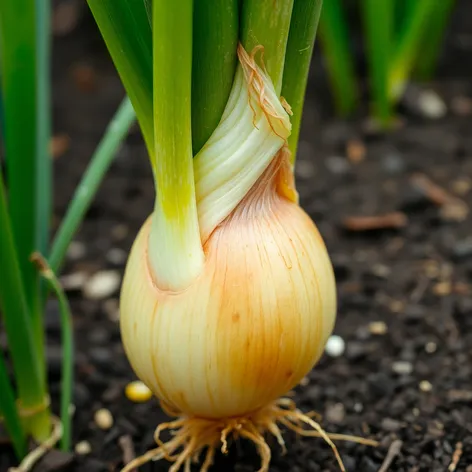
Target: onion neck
<point>253,130</point>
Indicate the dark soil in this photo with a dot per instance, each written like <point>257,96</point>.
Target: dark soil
<point>407,380</point>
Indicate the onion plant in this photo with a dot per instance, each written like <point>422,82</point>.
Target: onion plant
<point>25,217</point>
<point>402,39</point>
<point>229,295</point>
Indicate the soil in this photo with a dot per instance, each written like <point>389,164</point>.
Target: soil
<point>404,286</point>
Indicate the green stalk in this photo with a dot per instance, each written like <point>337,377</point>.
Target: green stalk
<point>334,39</point>
<point>67,348</point>
<point>9,413</point>
<point>378,21</point>
<point>43,158</point>
<point>125,27</point>
<point>18,56</point>
<point>175,251</point>
<point>267,23</point>
<point>301,39</point>
<point>407,49</point>
<point>43,125</point>
<point>215,40</point>
<point>100,162</point>
<point>431,41</point>
<point>19,329</point>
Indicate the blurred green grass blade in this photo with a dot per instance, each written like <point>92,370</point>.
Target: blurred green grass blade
<point>334,39</point>
<point>301,39</point>
<point>67,348</point>
<point>9,412</point>
<point>18,56</point>
<point>267,23</point>
<point>99,163</point>
<point>431,41</point>
<point>16,320</point>
<point>407,49</point>
<point>125,27</point>
<point>378,27</point>
<point>43,125</point>
<point>215,41</point>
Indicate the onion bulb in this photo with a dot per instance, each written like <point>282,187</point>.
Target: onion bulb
<point>221,350</point>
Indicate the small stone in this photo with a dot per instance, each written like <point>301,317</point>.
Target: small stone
<point>305,381</point>
<point>393,163</point>
<point>119,232</point>
<point>305,169</point>
<point>431,347</point>
<point>426,386</point>
<point>116,256</point>
<point>455,211</point>
<point>76,250</point>
<point>83,448</point>
<point>138,392</point>
<point>462,186</point>
<point>358,407</point>
<point>73,281</point>
<point>431,105</point>
<point>378,328</point>
<point>103,419</point>
<point>391,425</point>
<point>355,151</point>
<point>99,335</point>
<point>402,367</point>
<point>335,346</point>
<point>58,145</point>
<point>102,284</point>
<point>85,77</point>
<point>382,271</point>
<point>101,356</point>
<point>337,165</point>
<point>442,289</point>
<point>335,413</point>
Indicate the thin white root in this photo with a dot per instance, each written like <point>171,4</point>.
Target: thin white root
<point>192,436</point>
<point>33,457</point>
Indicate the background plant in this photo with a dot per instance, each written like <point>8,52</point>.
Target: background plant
<point>402,40</point>
<point>25,217</point>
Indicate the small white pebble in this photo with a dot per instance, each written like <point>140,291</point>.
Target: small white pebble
<point>305,381</point>
<point>378,328</point>
<point>402,367</point>
<point>431,347</point>
<point>73,281</point>
<point>416,412</point>
<point>358,407</point>
<point>103,419</point>
<point>335,346</point>
<point>76,250</point>
<point>432,105</point>
<point>426,386</point>
<point>102,284</point>
<point>83,448</point>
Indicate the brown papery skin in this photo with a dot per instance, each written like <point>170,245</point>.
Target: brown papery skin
<point>254,322</point>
